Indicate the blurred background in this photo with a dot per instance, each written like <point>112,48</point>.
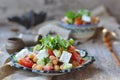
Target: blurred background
<point>55,8</point>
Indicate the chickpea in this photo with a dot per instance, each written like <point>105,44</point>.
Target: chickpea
<point>35,59</point>
<point>52,57</point>
<point>75,63</point>
<point>95,20</point>
<point>56,67</point>
<point>34,65</point>
<point>39,67</point>
<point>61,67</point>
<point>55,62</point>
<point>31,56</point>
<point>49,64</point>
<point>57,59</point>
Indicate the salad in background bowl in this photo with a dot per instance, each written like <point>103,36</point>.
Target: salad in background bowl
<point>81,23</point>
<point>54,56</point>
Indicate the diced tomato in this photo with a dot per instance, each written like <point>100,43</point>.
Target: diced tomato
<point>26,62</point>
<point>71,49</point>
<point>78,21</point>
<point>20,61</point>
<point>76,59</point>
<point>50,52</point>
<point>81,61</point>
<point>76,56</point>
<point>75,63</point>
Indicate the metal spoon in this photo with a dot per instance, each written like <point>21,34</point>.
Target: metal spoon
<point>107,38</point>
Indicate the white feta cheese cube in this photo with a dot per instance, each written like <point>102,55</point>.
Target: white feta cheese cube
<point>65,57</point>
<point>22,53</point>
<point>86,18</point>
<point>42,54</point>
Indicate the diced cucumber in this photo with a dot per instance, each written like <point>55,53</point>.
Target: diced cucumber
<point>70,21</point>
<point>67,66</point>
<point>14,58</point>
<point>37,47</point>
<point>83,53</point>
<point>57,53</point>
<point>41,62</point>
<point>87,58</point>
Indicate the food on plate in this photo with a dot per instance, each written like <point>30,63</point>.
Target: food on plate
<point>54,53</point>
<point>82,17</point>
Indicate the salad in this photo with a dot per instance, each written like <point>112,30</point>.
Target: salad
<point>53,53</point>
<point>82,17</point>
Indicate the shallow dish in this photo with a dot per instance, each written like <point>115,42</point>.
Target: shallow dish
<point>80,32</point>
<point>88,60</point>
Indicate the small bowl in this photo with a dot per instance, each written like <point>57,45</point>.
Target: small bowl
<point>80,32</point>
<point>14,45</point>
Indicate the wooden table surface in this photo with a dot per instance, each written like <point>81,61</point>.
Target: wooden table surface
<point>104,67</point>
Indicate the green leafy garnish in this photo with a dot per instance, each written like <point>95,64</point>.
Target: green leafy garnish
<point>43,61</point>
<point>37,47</point>
<point>70,42</point>
<point>14,58</point>
<point>70,14</point>
<point>47,60</point>
<point>56,42</point>
<point>47,42</point>
<point>82,12</point>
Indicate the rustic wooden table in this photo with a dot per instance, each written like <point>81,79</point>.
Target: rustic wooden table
<point>104,68</point>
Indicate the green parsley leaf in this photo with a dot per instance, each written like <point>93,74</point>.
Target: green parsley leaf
<point>70,14</point>
<point>46,60</point>
<point>56,42</point>
<point>84,12</point>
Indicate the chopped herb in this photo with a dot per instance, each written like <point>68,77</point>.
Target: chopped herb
<point>37,47</point>
<point>70,14</point>
<point>14,57</point>
<point>56,42</point>
<point>47,60</point>
<point>84,12</point>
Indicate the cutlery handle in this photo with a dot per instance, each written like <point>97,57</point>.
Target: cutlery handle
<point>115,57</point>
<point>108,44</point>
